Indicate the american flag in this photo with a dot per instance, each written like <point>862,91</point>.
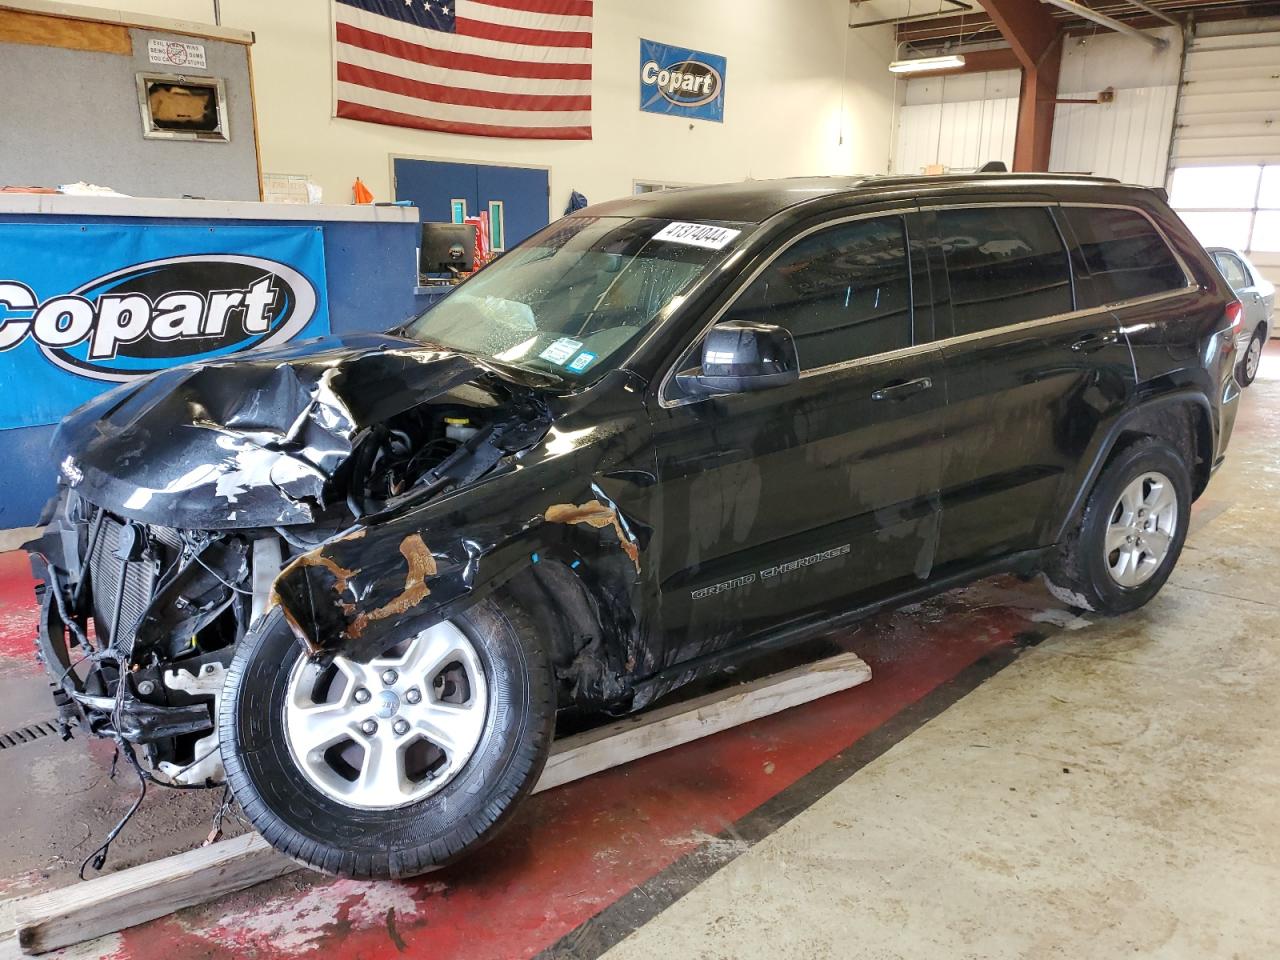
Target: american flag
<point>490,68</point>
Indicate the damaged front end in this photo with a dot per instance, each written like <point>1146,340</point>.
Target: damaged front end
<point>186,494</point>
<point>136,628</point>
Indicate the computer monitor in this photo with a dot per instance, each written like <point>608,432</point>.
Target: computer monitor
<point>447,248</point>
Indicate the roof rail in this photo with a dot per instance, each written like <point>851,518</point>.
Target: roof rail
<point>959,177</point>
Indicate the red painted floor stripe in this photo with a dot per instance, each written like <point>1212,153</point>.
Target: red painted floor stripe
<point>17,612</point>
<point>575,850</point>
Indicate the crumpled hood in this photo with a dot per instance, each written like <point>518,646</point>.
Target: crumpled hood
<point>249,442</point>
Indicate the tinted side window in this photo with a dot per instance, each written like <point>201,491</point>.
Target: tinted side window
<point>844,293</point>
<point>1232,269</point>
<point>1125,255</point>
<point>1006,265</point>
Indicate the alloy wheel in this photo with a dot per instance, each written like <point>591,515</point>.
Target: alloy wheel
<point>1253,358</point>
<point>1141,528</point>
<point>393,731</point>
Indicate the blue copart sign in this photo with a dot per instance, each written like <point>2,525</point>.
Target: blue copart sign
<point>682,82</point>
<point>83,307</point>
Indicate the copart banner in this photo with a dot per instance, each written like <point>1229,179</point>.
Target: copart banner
<point>682,82</point>
<point>86,306</point>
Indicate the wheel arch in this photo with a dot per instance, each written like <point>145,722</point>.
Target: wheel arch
<point>1184,418</point>
<point>593,639</point>
<point>574,569</point>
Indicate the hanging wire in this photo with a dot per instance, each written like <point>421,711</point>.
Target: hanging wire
<point>844,76</point>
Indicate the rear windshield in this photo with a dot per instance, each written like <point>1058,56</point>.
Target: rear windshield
<point>576,295</point>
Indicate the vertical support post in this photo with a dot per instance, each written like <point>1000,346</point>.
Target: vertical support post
<point>1036,41</point>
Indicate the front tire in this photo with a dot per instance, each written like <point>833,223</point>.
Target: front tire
<point>1130,534</point>
<point>396,767</point>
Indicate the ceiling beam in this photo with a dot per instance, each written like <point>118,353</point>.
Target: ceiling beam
<point>1111,23</point>
<point>977,26</point>
<point>1028,27</point>
<point>1159,15</point>
<point>984,61</point>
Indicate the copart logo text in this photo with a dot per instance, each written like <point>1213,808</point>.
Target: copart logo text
<point>149,316</point>
<point>688,84</point>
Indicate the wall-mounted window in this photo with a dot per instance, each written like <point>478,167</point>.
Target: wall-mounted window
<point>497,226</point>
<point>640,187</point>
<point>183,108</point>
<point>1236,206</point>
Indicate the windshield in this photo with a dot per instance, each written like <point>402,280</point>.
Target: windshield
<point>575,294</point>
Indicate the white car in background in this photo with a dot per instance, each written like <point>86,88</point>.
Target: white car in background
<point>1258,295</point>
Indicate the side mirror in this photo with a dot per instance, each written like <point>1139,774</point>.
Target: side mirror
<point>738,356</point>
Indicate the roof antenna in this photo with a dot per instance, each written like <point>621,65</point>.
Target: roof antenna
<point>993,166</point>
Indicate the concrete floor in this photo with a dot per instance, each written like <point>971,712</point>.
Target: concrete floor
<point>1016,781</point>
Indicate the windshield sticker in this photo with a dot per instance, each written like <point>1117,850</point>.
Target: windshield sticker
<point>582,361</point>
<point>697,235</point>
<point>561,350</point>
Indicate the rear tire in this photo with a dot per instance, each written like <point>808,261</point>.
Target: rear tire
<point>1130,534</point>
<point>1247,370</point>
<point>304,812</point>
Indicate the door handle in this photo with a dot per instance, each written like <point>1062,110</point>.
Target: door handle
<point>900,391</point>
<point>1094,341</point>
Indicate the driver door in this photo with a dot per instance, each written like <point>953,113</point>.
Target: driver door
<point>786,505</point>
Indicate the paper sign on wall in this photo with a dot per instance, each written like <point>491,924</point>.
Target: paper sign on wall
<point>176,53</point>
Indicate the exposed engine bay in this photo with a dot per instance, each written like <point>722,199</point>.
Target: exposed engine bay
<point>140,619</point>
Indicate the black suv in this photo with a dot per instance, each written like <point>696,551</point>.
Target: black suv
<point>361,575</point>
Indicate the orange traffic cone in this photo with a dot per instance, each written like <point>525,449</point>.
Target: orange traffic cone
<point>360,193</point>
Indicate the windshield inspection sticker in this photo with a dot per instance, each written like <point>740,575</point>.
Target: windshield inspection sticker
<point>697,235</point>
<point>561,350</point>
<point>581,361</point>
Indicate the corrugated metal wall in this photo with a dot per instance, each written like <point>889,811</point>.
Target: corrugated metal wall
<point>1127,139</point>
<point>960,136</point>
<point>951,121</point>
<point>960,122</point>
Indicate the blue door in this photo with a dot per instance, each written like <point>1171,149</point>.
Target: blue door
<point>516,197</point>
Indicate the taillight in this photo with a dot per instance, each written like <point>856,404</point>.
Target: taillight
<point>1235,316</point>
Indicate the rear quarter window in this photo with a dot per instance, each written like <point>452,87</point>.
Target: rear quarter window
<point>1125,255</point>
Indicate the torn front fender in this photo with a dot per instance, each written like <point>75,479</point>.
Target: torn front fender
<point>360,594</point>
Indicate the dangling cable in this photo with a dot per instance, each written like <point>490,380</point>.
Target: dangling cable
<point>99,857</point>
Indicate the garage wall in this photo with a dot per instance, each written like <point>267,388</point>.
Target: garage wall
<point>783,114</point>
<point>1127,139</point>
<point>73,97</point>
<point>960,122</point>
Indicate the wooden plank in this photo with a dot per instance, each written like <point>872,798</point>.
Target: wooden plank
<point>85,911</point>
<point>38,30</point>
<point>646,733</point>
<point>116,901</point>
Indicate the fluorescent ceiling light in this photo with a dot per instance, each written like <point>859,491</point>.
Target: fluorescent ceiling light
<point>923,64</point>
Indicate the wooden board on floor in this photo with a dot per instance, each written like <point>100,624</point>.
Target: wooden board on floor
<point>116,901</point>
